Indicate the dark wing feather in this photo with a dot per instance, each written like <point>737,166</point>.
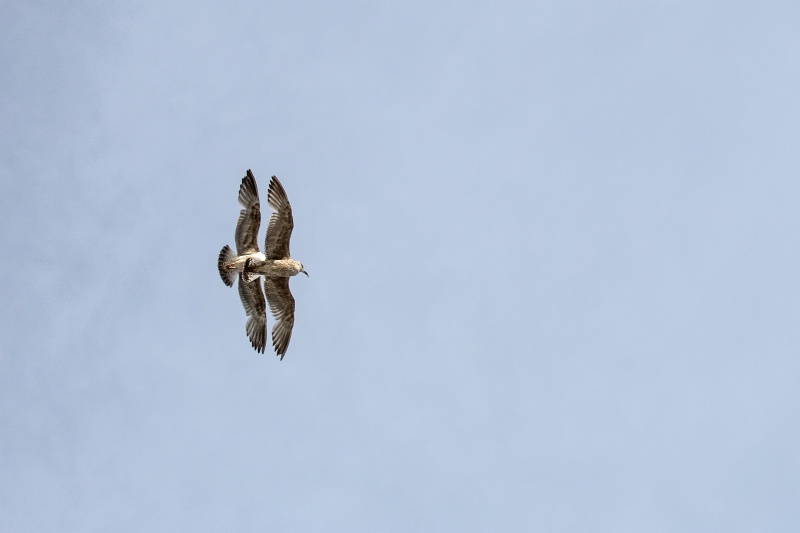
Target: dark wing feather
<point>253,301</point>
<point>281,304</point>
<point>249,217</point>
<point>281,223</point>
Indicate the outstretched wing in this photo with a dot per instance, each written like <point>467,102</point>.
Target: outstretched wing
<point>249,217</point>
<point>281,304</point>
<point>281,223</point>
<point>253,301</point>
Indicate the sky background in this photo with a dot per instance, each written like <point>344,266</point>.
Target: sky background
<point>553,255</point>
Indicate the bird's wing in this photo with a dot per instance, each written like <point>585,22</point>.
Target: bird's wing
<point>281,304</point>
<point>249,217</point>
<point>281,223</point>
<point>253,301</point>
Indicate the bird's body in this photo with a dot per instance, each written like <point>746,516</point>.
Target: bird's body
<point>275,265</point>
<point>274,268</point>
<point>238,262</point>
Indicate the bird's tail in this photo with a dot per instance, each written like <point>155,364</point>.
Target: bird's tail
<point>226,255</point>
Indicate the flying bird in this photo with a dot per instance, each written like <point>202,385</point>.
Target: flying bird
<point>275,265</point>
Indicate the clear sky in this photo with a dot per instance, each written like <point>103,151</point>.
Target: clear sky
<point>553,255</point>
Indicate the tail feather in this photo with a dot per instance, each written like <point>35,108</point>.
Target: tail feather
<point>226,255</point>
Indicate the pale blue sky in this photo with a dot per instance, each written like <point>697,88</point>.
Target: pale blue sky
<point>577,233</point>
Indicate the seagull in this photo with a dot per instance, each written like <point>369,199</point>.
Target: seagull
<point>275,265</point>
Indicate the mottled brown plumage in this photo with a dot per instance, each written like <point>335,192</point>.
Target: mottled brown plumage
<point>275,265</point>
<point>249,218</point>
<point>281,304</point>
<point>281,223</point>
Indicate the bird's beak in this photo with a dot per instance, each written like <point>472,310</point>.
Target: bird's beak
<point>304,272</point>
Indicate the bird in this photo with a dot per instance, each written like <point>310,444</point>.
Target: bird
<point>275,265</point>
